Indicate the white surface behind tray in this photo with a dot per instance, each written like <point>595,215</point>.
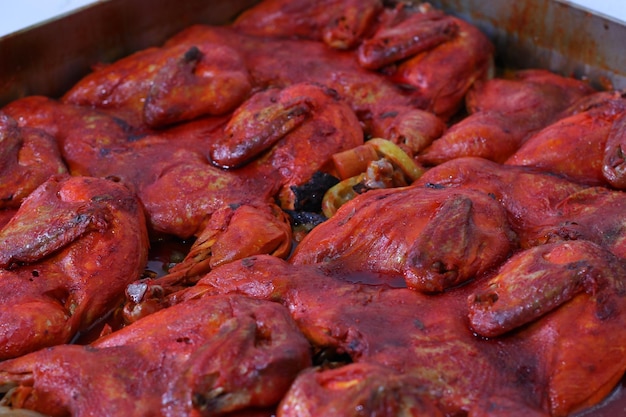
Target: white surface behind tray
<point>20,14</point>
<point>615,9</point>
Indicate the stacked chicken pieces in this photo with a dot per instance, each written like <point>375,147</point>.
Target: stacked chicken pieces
<point>381,223</point>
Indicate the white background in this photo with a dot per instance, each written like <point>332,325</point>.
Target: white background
<point>20,14</point>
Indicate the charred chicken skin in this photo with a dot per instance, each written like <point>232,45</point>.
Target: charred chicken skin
<point>227,354</point>
<point>66,258</point>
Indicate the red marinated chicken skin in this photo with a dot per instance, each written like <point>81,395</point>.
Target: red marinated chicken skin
<point>595,214</point>
<point>573,295</point>
<point>515,299</point>
<point>281,62</point>
<point>340,24</point>
<point>84,136</point>
<point>405,33</point>
<point>455,223</point>
<point>432,349</point>
<point>441,77</point>
<point>504,112</point>
<point>227,354</point>
<point>375,389</point>
<point>27,158</point>
<point>575,145</point>
<point>159,86</point>
<point>66,258</point>
<point>430,48</point>
<point>181,188</point>
<point>529,196</point>
<point>436,239</point>
<point>174,172</point>
<point>289,134</point>
<point>613,167</point>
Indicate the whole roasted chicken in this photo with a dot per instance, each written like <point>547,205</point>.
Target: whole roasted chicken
<point>435,238</point>
<point>66,258</point>
<point>340,24</point>
<point>469,261</point>
<point>209,356</point>
<point>156,87</point>
<point>277,139</point>
<point>434,351</point>
<point>380,105</point>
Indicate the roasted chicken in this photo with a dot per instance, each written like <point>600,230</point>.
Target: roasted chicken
<point>227,354</point>
<point>340,24</point>
<point>575,145</point>
<point>572,294</point>
<point>159,86</point>
<point>366,223</point>
<point>503,113</point>
<point>433,350</point>
<point>436,239</point>
<point>66,258</point>
<point>27,158</point>
<point>529,196</point>
<point>281,62</point>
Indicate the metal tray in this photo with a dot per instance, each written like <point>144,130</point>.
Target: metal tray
<point>50,57</point>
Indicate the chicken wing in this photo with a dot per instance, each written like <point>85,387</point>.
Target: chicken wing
<point>529,196</point>
<point>439,78</point>
<point>405,31</point>
<point>283,62</point>
<point>579,287</point>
